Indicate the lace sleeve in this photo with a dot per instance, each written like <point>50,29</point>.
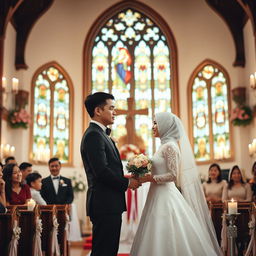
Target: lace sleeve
<point>171,157</point>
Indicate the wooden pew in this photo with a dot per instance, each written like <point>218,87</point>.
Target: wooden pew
<point>27,223</point>
<point>63,218</point>
<point>6,228</point>
<point>47,213</point>
<point>243,235</point>
<point>216,210</point>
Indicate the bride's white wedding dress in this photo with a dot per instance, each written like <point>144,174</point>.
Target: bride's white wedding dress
<point>168,225</point>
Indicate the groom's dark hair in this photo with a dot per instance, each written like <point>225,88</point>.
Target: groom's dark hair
<point>98,99</point>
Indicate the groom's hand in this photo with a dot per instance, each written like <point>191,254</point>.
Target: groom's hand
<point>133,183</point>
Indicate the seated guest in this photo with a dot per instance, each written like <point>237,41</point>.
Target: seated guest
<point>16,192</point>
<point>237,188</point>
<point>213,187</point>
<point>56,189</point>
<point>10,160</point>
<point>253,182</point>
<point>25,168</point>
<point>34,180</point>
<point>2,192</point>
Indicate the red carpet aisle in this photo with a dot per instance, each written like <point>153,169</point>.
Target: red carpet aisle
<point>123,247</point>
<point>88,243</point>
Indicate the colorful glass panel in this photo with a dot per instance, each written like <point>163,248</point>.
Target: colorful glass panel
<point>220,123</point>
<point>138,68</point>
<point>210,115</point>
<point>200,120</point>
<point>41,118</point>
<point>61,131</point>
<point>51,127</point>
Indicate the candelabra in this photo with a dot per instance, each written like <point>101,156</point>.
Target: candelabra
<point>232,232</point>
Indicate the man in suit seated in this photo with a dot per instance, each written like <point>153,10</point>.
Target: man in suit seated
<point>56,189</point>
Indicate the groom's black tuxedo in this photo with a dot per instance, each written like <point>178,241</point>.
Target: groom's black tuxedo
<point>65,191</point>
<point>106,192</point>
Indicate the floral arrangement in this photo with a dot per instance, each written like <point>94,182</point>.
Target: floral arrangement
<point>129,150</point>
<point>19,118</point>
<point>139,165</point>
<point>77,183</point>
<point>241,115</point>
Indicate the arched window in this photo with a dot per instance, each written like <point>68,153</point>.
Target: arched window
<point>209,107</point>
<point>51,108</point>
<point>132,54</point>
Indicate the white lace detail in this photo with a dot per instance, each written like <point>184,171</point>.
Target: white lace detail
<point>170,154</point>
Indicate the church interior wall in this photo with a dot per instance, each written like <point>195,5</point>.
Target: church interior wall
<point>59,36</point>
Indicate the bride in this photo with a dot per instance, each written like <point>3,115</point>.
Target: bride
<point>173,223</point>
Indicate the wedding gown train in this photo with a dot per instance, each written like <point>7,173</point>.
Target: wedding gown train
<point>168,225</point>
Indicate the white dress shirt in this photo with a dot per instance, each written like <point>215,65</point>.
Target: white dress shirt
<point>56,183</point>
<point>102,126</point>
<point>37,196</point>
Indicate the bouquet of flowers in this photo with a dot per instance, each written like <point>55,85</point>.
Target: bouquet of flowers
<point>19,118</point>
<point>241,115</point>
<point>139,165</point>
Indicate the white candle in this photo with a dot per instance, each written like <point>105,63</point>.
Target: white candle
<point>4,83</point>
<point>232,206</point>
<point>15,84</point>
<point>254,146</point>
<point>12,150</point>
<point>252,80</point>
<point>250,149</point>
<point>31,204</point>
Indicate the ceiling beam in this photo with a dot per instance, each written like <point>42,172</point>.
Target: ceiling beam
<point>23,20</point>
<point>235,17</point>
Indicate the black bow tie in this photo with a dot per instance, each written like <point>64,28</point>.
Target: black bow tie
<point>55,178</point>
<point>108,131</point>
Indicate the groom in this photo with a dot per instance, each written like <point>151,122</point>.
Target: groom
<point>107,184</point>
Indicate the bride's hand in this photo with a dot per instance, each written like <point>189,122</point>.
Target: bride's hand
<point>146,178</point>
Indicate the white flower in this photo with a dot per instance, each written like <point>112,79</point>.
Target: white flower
<point>62,182</point>
<point>80,186</point>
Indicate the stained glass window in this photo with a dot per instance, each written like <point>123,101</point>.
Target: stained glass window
<point>51,132</point>
<point>131,58</point>
<point>210,108</point>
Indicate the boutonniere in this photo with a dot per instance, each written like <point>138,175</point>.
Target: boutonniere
<point>62,183</point>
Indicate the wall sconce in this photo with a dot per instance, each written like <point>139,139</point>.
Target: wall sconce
<point>6,150</point>
<point>252,148</point>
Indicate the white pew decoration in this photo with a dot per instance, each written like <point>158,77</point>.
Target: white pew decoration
<point>55,244</point>
<point>39,229</point>
<point>13,249</point>
<point>252,244</point>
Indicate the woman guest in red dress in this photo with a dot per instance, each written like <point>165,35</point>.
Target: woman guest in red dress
<point>16,192</point>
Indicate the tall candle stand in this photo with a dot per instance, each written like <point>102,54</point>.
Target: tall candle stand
<point>232,232</point>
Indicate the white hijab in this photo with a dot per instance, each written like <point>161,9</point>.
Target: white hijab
<point>170,128</point>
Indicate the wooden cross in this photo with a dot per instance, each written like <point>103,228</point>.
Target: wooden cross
<point>130,120</point>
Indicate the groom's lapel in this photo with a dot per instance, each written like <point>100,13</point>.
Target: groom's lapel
<point>115,151</point>
<point>111,144</point>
